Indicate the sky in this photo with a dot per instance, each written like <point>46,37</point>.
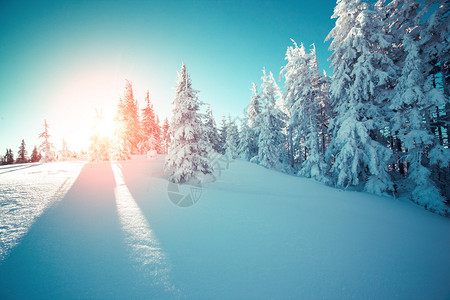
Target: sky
<point>63,60</point>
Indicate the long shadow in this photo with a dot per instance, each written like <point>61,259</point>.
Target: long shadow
<point>75,249</point>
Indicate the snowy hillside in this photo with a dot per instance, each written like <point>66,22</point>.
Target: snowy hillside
<point>252,234</point>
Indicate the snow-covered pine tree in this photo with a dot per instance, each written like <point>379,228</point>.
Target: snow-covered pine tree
<point>223,134</point>
<point>35,156</point>
<point>253,114</point>
<point>46,148</point>
<point>131,118</point>
<point>232,142</point>
<point>211,131</point>
<point>148,127</point>
<point>166,135</point>
<point>121,148</point>
<point>246,149</point>
<point>313,100</point>
<point>271,141</point>
<point>22,154</point>
<point>413,99</point>
<point>362,73</point>
<point>187,160</point>
<point>295,74</point>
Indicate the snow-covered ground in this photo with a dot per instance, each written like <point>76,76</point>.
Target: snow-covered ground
<point>112,232</point>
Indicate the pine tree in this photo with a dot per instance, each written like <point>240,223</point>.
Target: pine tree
<point>121,149</point>
<point>271,138</point>
<point>246,149</point>
<point>64,153</point>
<point>9,157</point>
<point>413,98</point>
<point>211,131</point>
<point>35,156</point>
<point>46,148</point>
<point>166,135</point>
<point>232,139</point>
<point>148,140</point>
<point>254,123</point>
<point>131,118</point>
<point>362,72</point>
<point>223,134</point>
<point>22,154</point>
<point>188,157</point>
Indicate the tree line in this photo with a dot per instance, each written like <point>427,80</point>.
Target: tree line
<point>379,124</point>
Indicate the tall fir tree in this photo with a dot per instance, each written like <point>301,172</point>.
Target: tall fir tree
<point>414,97</point>
<point>362,71</point>
<point>121,148</point>
<point>187,160</point>
<point>46,148</point>
<point>35,156</point>
<point>246,149</point>
<point>211,131</point>
<point>254,123</point>
<point>271,141</point>
<point>22,154</point>
<point>223,134</point>
<point>149,127</point>
<point>232,139</point>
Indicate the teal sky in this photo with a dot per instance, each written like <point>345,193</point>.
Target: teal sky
<point>61,60</point>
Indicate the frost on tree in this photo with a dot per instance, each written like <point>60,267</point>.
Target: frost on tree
<point>126,126</point>
<point>306,102</point>
<point>253,114</point>
<point>46,149</point>
<point>271,140</point>
<point>232,140</point>
<point>211,131</point>
<point>362,73</point>
<point>414,97</point>
<point>150,139</point>
<point>187,160</point>
<point>246,142</point>
<point>22,154</point>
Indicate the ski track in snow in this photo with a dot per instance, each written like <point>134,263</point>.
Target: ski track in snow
<point>25,192</point>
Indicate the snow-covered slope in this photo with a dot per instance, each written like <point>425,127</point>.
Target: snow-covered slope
<point>253,234</point>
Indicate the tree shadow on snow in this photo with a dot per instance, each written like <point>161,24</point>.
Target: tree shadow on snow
<point>76,248</point>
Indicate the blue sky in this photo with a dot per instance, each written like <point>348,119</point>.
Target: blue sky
<point>62,60</point>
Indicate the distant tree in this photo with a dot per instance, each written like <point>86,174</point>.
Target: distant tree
<point>121,148</point>
<point>271,141</point>
<point>223,134</point>
<point>150,137</point>
<point>47,149</point>
<point>9,157</point>
<point>35,155</point>
<point>64,153</point>
<point>22,154</point>
<point>211,131</point>
<point>232,139</point>
<point>246,144</point>
<point>254,123</point>
<point>187,160</point>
